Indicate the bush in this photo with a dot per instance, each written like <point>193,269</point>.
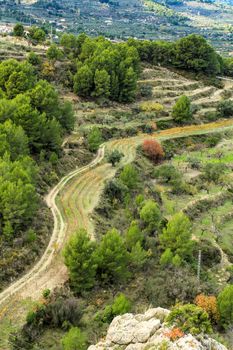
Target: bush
<point>169,174</point>
<point>166,172</point>
<point>34,59</point>
<point>18,30</point>
<point>120,306</point>
<point>129,176</point>
<point>151,107</point>
<point>225,108</point>
<point>75,339</point>
<point>114,157</point>
<point>94,139</point>
<point>115,190</point>
<point>46,293</point>
<point>160,291</point>
<point>212,140</point>
<point>150,214</point>
<point>225,305</point>
<point>176,240</point>
<point>209,304</point>
<point>211,116</point>
<point>153,150</point>
<point>146,90</point>
<point>190,319</point>
<point>133,235</point>
<point>64,311</point>
<point>138,256</point>
<point>181,111</point>
<point>214,171</point>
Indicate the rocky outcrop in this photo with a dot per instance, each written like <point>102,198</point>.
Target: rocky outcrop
<point>148,331</point>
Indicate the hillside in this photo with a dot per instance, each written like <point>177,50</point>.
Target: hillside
<point>121,19</point>
<point>115,192</point>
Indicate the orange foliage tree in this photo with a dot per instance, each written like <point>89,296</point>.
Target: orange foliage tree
<point>209,304</point>
<point>153,150</point>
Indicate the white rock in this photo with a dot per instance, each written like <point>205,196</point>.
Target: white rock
<point>136,346</point>
<point>144,330</point>
<point>157,312</point>
<point>188,342</point>
<point>121,330</point>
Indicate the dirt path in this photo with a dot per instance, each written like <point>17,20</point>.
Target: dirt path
<point>72,200</point>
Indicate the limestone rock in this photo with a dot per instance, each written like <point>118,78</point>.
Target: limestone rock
<point>148,332</point>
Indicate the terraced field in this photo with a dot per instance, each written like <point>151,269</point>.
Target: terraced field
<point>18,49</point>
<point>169,86</point>
<point>165,88</point>
<point>72,201</point>
<point>74,198</point>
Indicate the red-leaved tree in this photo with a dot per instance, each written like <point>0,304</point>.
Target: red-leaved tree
<point>153,150</point>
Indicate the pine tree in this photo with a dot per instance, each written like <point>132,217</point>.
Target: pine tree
<point>102,84</point>
<point>129,86</point>
<point>112,258</point>
<point>81,261</point>
<point>177,239</point>
<point>181,111</point>
<point>150,214</point>
<point>115,88</point>
<point>83,81</point>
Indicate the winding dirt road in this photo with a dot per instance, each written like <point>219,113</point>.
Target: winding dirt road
<point>72,200</point>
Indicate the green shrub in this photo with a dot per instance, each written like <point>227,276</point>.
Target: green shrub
<point>46,293</point>
<point>170,175</point>
<point>115,190</point>
<point>121,305</point>
<point>225,108</point>
<point>94,139</point>
<point>214,171</point>
<point>176,240</point>
<point>181,111</point>
<point>114,157</point>
<point>211,116</point>
<point>225,305</point>
<point>190,319</point>
<point>151,215</point>
<point>212,140</point>
<point>133,235</point>
<point>75,339</point>
<point>31,317</point>
<point>129,176</point>
<point>31,236</point>
<point>138,256</point>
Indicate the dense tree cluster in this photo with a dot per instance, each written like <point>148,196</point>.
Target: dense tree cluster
<point>33,105</point>
<point>32,120</point>
<point>104,69</point>
<point>18,196</point>
<point>88,262</point>
<point>191,53</point>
